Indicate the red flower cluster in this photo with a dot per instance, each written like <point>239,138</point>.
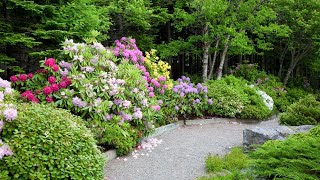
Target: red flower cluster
<point>21,77</point>
<point>52,64</point>
<point>29,96</point>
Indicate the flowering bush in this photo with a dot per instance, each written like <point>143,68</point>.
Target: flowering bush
<point>187,98</point>
<point>8,113</point>
<point>92,85</point>
<point>232,97</point>
<point>44,84</point>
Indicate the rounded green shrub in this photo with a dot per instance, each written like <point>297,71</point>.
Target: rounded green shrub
<point>232,97</point>
<point>306,111</point>
<point>49,143</point>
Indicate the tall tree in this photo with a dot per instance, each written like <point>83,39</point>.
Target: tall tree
<point>303,19</point>
<point>31,27</point>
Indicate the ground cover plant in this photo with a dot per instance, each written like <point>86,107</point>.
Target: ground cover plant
<point>232,166</point>
<point>43,142</point>
<point>304,112</point>
<point>233,97</point>
<point>295,158</point>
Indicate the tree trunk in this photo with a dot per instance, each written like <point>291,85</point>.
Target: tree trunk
<point>282,56</point>
<point>206,48</point>
<point>295,58</point>
<point>214,59</point>
<point>223,58</point>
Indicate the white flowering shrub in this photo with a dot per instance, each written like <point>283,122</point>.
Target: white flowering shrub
<point>8,113</point>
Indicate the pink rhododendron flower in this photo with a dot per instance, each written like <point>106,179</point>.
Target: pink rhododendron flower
<point>151,94</point>
<point>52,79</point>
<point>151,88</point>
<point>161,91</point>
<point>63,84</point>
<point>23,77</point>
<point>14,79</point>
<point>47,90</point>
<point>161,78</point>
<point>156,107</point>
<point>50,62</point>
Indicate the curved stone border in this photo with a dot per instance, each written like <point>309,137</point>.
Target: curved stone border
<point>217,120</point>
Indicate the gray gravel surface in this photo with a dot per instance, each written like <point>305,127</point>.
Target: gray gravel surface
<point>182,153</point>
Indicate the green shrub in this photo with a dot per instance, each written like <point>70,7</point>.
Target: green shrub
<point>232,97</point>
<point>49,143</point>
<point>306,111</point>
<point>283,97</point>
<point>295,158</point>
<point>230,166</point>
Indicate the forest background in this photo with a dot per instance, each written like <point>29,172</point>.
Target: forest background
<point>202,38</point>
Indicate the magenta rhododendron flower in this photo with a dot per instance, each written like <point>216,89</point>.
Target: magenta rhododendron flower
<point>49,99</point>
<point>30,75</point>
<point>50,62</point>
<point>63,84</point>
<point>47,90</point>
<point>23,77</point>
<point>13,79</point>
<point>52,79</point>
<point>54,87</point>
<point>161,91</point>
<point>55,68</point>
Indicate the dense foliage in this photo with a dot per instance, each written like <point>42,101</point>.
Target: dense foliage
<point>293,158</point>
<point>282,96</point>
<point>306,111</point>
<point>233,97</point>
<point>43,142</point>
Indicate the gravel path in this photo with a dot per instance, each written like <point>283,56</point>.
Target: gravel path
<point>181,154</point>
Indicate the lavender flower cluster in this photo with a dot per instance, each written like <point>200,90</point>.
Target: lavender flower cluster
<point>186,87</point>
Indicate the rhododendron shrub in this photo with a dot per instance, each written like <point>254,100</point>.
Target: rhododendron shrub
<point>107,94</point>
<point>42,85</point>
<point>188,99</point>
<point>8,113</point>
<point>95,84</point>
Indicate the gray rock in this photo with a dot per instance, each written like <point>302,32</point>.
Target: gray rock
<point>303,128</point>
<point>260,135</point>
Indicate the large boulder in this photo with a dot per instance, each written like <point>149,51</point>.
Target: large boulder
<point>259,135</point>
